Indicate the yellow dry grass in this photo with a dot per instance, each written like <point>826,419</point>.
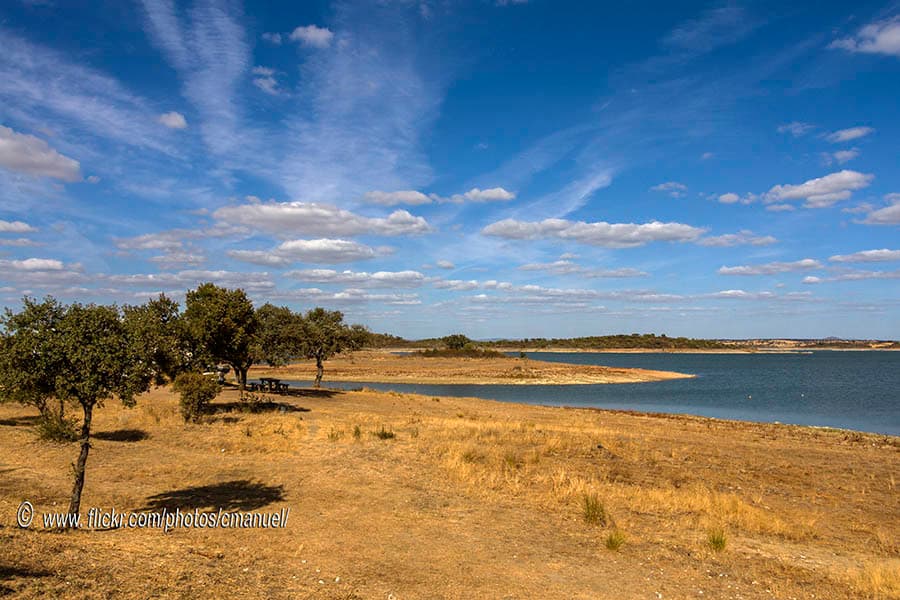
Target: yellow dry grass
<point>469,499</point>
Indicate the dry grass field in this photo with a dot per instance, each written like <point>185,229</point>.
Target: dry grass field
<point>467,499</point>
<point>387,367</point>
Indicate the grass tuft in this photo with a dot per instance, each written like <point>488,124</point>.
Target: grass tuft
<point>593,510</point>
<point>717,539</point>
<point>384,434</point>
<point>614,540</point>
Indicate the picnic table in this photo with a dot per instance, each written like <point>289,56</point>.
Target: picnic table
<point>272,384</point>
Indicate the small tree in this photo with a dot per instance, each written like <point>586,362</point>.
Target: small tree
<point>196,391</point>
<point>278,336</point>
<point>158,333</point>
<point>29,356</point>
<point>223,323</point>
<point>457,341</point>
<point>325,335</point>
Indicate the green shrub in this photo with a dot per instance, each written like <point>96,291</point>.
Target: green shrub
<point>196,391</point>
<point>53,428</point>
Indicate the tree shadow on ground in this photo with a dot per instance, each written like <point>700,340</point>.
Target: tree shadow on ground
<point>122,435</point>
<point>10,572</point>
<point>17,421</point>
<point>231,495</point>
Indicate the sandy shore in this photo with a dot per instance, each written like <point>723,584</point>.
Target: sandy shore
<point>386,367</point>
<point>403,496</point>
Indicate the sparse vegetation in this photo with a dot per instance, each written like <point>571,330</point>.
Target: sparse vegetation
<point>593,511</point>
<point>385,434</point>
<point>614,540</point>
<point>717,539</point>
<point>51,427</point>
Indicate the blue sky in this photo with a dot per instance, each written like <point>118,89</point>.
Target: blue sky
<point>501,168</point>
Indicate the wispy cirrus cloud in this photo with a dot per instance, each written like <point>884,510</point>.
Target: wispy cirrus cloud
<point>849,134</point>
<point>208,49</point>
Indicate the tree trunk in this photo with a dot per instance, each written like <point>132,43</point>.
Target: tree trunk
<point>75,504</point>
<point>320,370</point>
<point>62,409</point>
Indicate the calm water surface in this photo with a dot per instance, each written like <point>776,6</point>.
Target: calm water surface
<point>851,390</point>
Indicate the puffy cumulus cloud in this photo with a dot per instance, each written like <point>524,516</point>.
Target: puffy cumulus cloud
<point>312,35</point>
<point>173,120</point>
<point>672,188</point>
<point>609,235</point>
<point>741,238</point>
<point>377,279</point>
<point>867,256</point>
<point>888,215</point>
<point>772,268</point>
<point>732,198</point>
<point>796,128</point>
<point>323,250</point>
<point>497,194</point>
<point>33,156</point>
<point>15,227</point>
<point>567,267</point>
<point>33,264</point>
<point>445,264</point>
<point>822,191</point>
<point>456,285</point>
<point>846,135</point>
<point>291,218</point>
<point>880,37</point>
<point>410,197</point>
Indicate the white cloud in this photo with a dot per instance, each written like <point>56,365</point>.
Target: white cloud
<point>781,207</point>
<point>673,188</point>
<point>567,267</point>
<point>796,128</point>
<point>252,282</point>
<point>445,264</point>
<point>880,37</point>
<point>93,179</point>
<point>27,154</point>
<point>272,38</point>
<point>15,227</point>
<point>291,218</point>
<point>497,194</point>
<point>889,215</point>
<point>173,120</point>
<point>822,191</point>
<point>178,258</point>
<point>33,264</point>
<point>732,198</point>
<point>411,197</point>
<point>846,135</point>
<point>707,155</point>
<point>456,285</point>
<point>311,35</point>
<point>840,157</point>
<point>327,251</point>
<point>854,275</point>
<point>610,235</point>
<point>743,237</point>
<point>17,242</point>
<point>348,296</point>
<point>266,80</point>
<point>867,256</point>
<point>772,268</point>
<point>377,279</point>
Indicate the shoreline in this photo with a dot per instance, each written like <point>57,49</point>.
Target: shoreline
<point>767,350</point>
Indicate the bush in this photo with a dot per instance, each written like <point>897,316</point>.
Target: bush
<point>197,391</point>
<point>54,428</point>
<point>614,540</point>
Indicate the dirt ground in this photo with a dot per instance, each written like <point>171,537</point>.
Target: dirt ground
<point>468,499</point>
<point>386,367</point>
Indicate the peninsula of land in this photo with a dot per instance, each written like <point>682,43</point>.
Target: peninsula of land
<point>388,367</point>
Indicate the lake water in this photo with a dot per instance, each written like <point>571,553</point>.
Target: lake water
<point>851,390</point>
